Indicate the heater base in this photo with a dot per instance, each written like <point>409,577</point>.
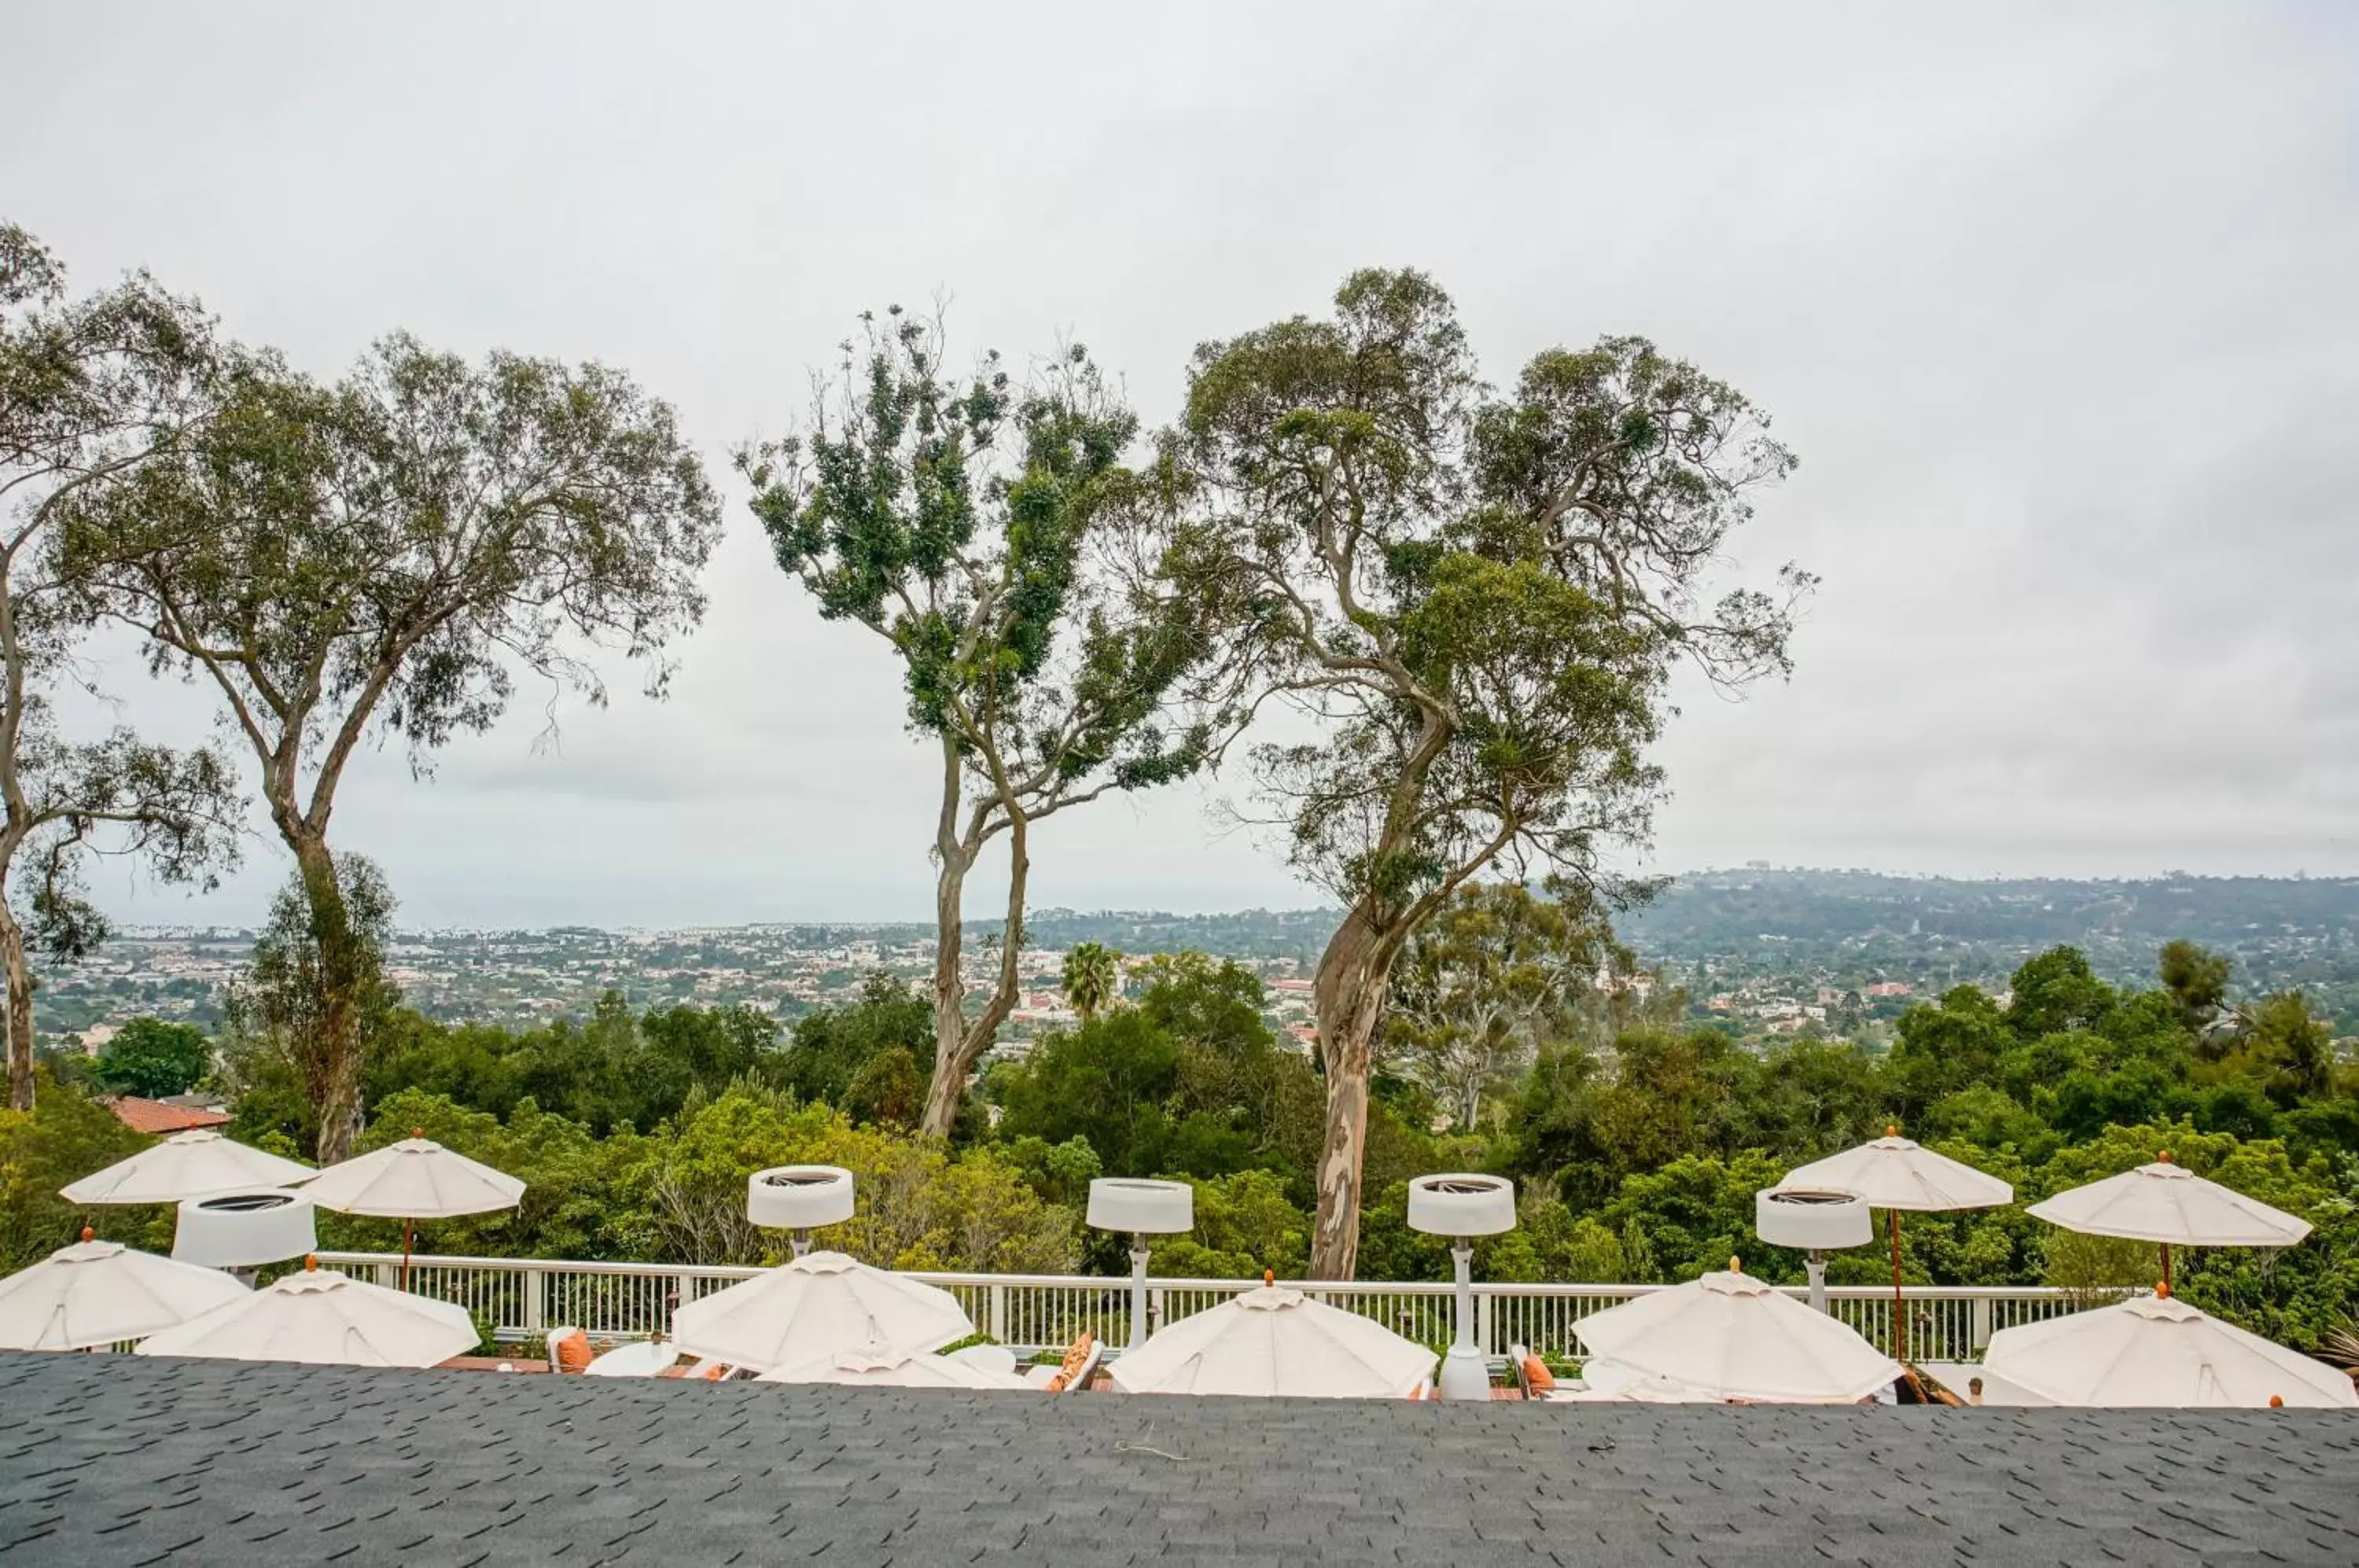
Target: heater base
<point>1465,1374</point>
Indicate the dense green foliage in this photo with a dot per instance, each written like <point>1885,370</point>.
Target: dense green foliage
<point>1637,1152</point>
<point>150,1057</point>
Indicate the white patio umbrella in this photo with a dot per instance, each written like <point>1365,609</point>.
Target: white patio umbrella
<point>1276,1342</point>
<point>1894,1173</point>
<point>1737,1337</point>
<point>97,1292</point>
<point>2171,1205</point>
<point>820,1303</point>
<point>414,1180</point>
<point>323,1317</point>
<point>2157,1351</point>
<point>882,1366</point>
<point>195,1164</point>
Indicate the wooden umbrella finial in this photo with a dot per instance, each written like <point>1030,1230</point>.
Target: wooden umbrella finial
<point>1269,1276</point>
<point>1735,1264</point>
<point>88,1234</point>
<point>1892,1130</point>
<point>2162,1291</point>
<point>2163,1156</point>
<point>311,1263</point>
<point>2276,1401</point>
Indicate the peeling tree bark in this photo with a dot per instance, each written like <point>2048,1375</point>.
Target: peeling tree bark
<point>1348,998</point>
<point>20,1011</point>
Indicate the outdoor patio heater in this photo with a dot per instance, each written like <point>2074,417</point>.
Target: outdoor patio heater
<point>1463,1206</point>
<point>1814,1221</point>
<point>798,1199</point>
<point>239,1232</point>
<point>1143,1208</point>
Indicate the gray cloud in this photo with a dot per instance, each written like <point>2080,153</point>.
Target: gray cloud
<point>2052,301</point>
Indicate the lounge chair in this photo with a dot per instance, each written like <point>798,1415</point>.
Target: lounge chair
<point>642,1358</point>
<point>990,1357</point>
<point>568,1350</point>
<point>1081,1364</point>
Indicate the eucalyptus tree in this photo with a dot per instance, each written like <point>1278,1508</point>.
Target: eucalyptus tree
<point>90,389</point>
<point>987,531</point>
<point>1494,975</point>
<point>381,559</point>
<point>1478,600</point>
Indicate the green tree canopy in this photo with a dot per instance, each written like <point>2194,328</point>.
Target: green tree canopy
<point>1477,598</point>
<point>379,558</point>
<point>154,1059</point>
<point>984,529</point>
<point>92,390</point>
<point>1093,978</point>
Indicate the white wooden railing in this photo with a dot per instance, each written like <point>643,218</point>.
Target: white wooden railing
<point>523,1297</point>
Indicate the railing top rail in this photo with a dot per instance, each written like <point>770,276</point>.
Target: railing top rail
<point>1571,1290</point>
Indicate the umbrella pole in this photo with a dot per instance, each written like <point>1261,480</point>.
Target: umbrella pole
<point>408,1223</point>
<point>1137,1289</point>
<point>2166,1266</point>
<point>1899,1310</point>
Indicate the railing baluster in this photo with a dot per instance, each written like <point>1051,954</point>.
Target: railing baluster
<point>1032,1313</point>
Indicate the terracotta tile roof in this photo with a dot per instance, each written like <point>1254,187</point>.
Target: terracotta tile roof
<point>155,1116</point>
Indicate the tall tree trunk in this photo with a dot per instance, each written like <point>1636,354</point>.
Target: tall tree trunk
<point>959,1042</point>
<point>332,1057</point>
<point>1348,998</point>
<point>949,1081</point>
<point>20,1011</point>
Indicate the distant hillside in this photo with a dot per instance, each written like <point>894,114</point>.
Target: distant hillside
<point>1709,910</point>
<point>1718,928</point>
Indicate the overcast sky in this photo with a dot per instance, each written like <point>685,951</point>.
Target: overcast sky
<point>2054,300</point>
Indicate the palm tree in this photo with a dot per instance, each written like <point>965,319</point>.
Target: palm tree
<point>1093,978</point>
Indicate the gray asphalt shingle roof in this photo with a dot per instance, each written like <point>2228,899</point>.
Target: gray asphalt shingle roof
<point>111,1459</point>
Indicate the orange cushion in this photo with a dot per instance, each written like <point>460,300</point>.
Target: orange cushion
<point>1076,1355</point>
<point>1538,1376</point>
<point>714,1373</point>
<point>573,1352</point>
<point>1056,1385</point>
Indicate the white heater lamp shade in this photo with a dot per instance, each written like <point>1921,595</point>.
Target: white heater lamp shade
<point>882,1366</point>
<point>814,1307</point>
<point>798,1197</point>
<point>324,1318</point>
<point>416,1179</point>
<point>1461,1203</point>
<point>191,1164</point>
<point>1739,1338</point>
<point>2168,1203</point>
<point>1137,1206</point>
<point>1895,1173</point>
<point>1813,1219</point>
<point>101,1292</point>
<point>243,1230</point>
<point>2159,1352</point>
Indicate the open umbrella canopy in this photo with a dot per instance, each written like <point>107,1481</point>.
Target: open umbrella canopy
<point>882,1366</point>
<point>809,1309</point>
<point>1276,1342</point>
<point>195,1164</point>
<point>1737,1337</point>
<point>2157,1351</point>
<point>1895,1173</point>
<point>325,1318</point>
<point>97,1292</point>
<point>416,1179</point>
<point>2169,1204</point>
